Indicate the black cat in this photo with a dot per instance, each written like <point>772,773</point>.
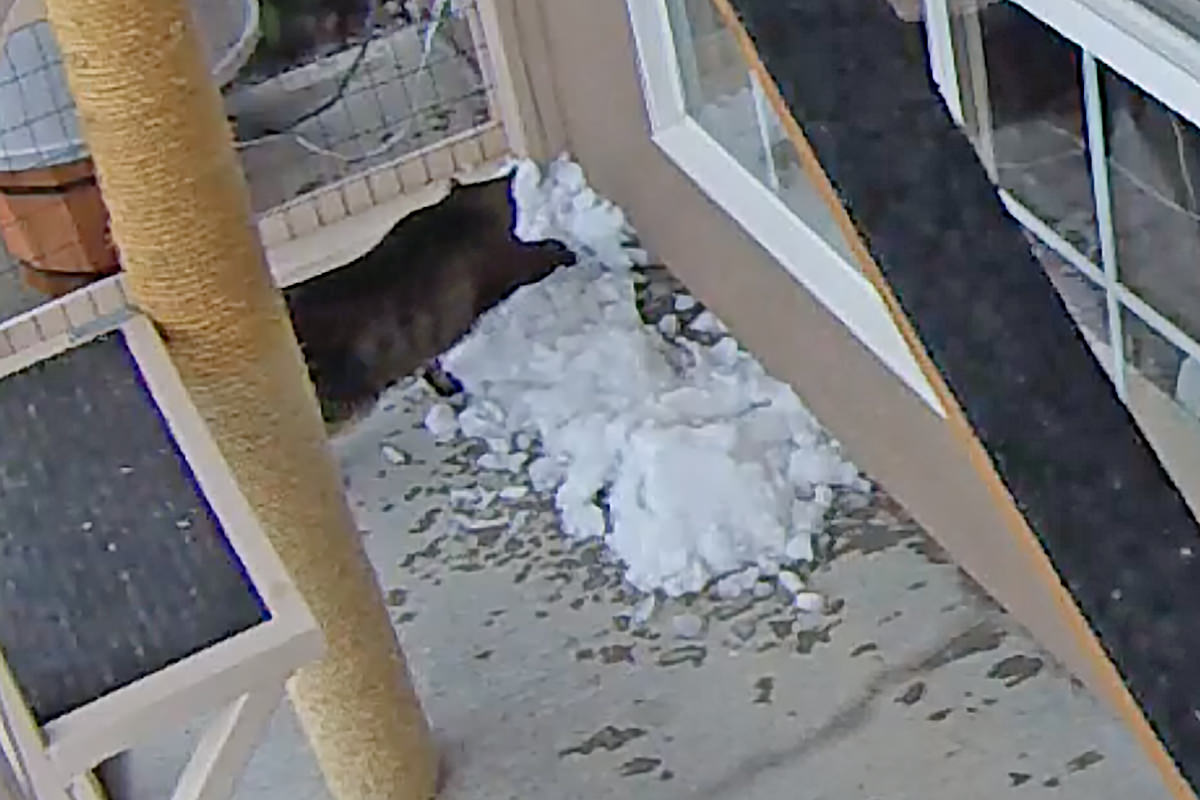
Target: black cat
<point>368,324</point>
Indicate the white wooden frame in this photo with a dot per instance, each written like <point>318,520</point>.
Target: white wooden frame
<point>797,246</point>
<point>242,676</point>
<point>1149,51</point>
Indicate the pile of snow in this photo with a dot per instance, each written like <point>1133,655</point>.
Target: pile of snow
<point>706,466</point>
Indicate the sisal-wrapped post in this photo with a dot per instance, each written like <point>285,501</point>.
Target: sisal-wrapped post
<point>181,217</point>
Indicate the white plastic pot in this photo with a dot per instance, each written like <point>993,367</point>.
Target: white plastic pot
<point>38,127</point>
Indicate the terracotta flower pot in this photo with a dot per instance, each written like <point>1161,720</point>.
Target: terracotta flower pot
<point>54,220</point>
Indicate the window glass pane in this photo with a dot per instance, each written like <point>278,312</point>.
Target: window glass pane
<point>721,95</point>
<point>1023,107</point>
<point>1154,170</point>
<point>1162,363</point>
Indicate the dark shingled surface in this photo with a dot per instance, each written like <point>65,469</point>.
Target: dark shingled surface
<point>111,563</point>
<point>1082,473</point>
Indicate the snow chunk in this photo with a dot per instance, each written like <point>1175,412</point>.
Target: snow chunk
<point>705,465</point>
<point>442,422</point>
<point>684,302</point>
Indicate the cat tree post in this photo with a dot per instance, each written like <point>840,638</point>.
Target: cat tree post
<point>181,217</point>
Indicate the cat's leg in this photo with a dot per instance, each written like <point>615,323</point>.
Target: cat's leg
<point>440,379</point>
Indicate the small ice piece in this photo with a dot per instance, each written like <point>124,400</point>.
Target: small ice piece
<point>442,422</point>
<point>499,445</point>
<point>522,442</point>
<point>729,587</point>
<point>394,455</point>
<point>643,610</point>
<point>726,352</point>
<point>823,494</point>
<point>545,474</point>
<point>799,547</point>
<point>497,462</point>
<point>763,589</point>
<point>669,326</point>
<point>707,322</point>
<point>809,602</point>
<point>464,498</point>
<point>791,581</point>
<point>511,493</point>
<point>687,626</point>
<point>684,302</point>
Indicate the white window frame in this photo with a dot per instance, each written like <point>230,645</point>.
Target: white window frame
<point>807,257</point>
<point>1149,51</point>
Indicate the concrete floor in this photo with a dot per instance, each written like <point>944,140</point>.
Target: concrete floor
<point>911,685</point>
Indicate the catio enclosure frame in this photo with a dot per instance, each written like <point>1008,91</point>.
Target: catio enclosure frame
<point>241,678</point>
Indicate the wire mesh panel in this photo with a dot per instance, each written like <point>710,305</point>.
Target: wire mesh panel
<point>337,92</point>
<point>53,223</point>
<point>336,106</point>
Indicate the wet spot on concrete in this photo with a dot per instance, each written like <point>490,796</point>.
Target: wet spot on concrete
<point>913,694</point>
<point>863,649</point>
<point>1018,778</point>
<point>764,687</point>
<point>939,715</point>
<point>585,654</point>
<point>540,614</point>
<point>989,701</point>
<point>892,617</point>
<point>931,550</point>
<point>523,573</point>
<point>483,655</point>
<point>871,538</point>
<point>1051,783</point>
<point>1084,760</point>
<point>912,587</point>
<point>405,618</point>
<point>782,628</point>
<point>425,521</point>
<point>979,639</point>
<point>639,766</point>
<point>1015,669</point>
<point>578,602</point>
<point>396,597</point>
<point>412,493</point>
<point>617,654</point>
<point>693,653</point>
<point>608,738</point>
<point>806,640</point>
<point>666,775</point>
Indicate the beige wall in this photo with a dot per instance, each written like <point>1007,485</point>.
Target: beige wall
<point>580,65</point>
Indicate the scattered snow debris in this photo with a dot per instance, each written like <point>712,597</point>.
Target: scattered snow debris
<point>511,493</point>
<point>669,325</point>
<point>518,521</point>
<point>522,441</point>
<point>763,589</point>
<point>684,302</point>
<point>564,207</point>
<point>545,473</point>
<point>791,581</point>
<point>707,322</point>
<point>643,610</point>
<point>799,548</point>
<point>502,462</point>
<point>474,498</point>
<point>809,602</point>
<point>687,626</point>
<point>729,587</point>
<point>708,465</point>
<point>442,422</point>
<point>472,524</point>
<point>726,351</point>
<point>394,455</point>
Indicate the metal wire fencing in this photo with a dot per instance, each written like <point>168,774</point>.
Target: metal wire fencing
<point>336,106</point>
